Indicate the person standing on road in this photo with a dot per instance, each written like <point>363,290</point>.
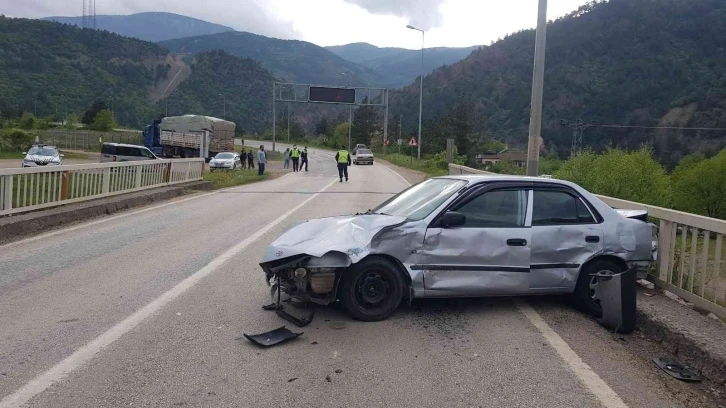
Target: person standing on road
<point>304,158</point>
<point>250,160</point>
<point>343,159</point>
<point>287,158</point>
<point>261,160</point>
<point>295,155</point>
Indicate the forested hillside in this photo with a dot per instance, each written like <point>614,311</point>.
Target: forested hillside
<point>221,82</point>
<point>624,62</point>
<point>289,60</point>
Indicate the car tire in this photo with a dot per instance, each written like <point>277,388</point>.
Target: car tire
<point>372,290</point>
<point>584,295</point>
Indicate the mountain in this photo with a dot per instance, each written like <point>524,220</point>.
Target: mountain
<point>289,60</point>
<point>642,63</point>
<point>226,86</point>
<point>399,66</point>
<point>150,26</point>
<point>53,68</point>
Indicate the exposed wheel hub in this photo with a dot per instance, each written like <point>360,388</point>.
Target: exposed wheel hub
<point>593,284</point>
<point>372,289</point>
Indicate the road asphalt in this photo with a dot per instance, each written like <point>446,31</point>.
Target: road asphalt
<point>148,309</point>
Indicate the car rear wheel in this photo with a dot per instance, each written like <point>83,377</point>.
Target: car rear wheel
<point>586,297</point>
<point>372,290</point>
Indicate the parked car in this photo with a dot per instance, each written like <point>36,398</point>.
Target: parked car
<point>225,160</point>
<point>42,155</point>
<point>118,152</point>
<point>363,156</point>
<point>462,236</point>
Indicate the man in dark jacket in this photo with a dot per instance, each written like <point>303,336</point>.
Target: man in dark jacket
<point>343,160</point>
<point>250,160</point>
<point>304,158</point>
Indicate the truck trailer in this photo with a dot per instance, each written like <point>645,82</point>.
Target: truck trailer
<point>189,136</point>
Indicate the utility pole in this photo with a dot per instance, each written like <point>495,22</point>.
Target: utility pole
<point>535,117</point>
<point>288,122</point>
<point>420,96</point>
<point>400,119</point>
<point>273,116</point>
<point>350,126</point>
<point>385,121</point>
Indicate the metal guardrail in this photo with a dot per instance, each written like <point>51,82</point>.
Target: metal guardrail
<point>690,247</point>
<point>34,188</point>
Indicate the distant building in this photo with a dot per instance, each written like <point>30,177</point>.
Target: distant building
<point>487,160</point>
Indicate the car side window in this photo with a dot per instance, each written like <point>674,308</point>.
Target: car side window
<point>496,209</point>
<point>559,208</point>
<point>146,153</point>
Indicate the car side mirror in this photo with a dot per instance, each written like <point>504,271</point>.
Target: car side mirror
<point>452,219</point>
<point>62,155</point>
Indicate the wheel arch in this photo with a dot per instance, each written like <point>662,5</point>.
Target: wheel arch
<point>394,261</point>
<point>613,258</point>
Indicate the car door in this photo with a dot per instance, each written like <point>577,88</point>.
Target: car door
<point>565,234</point>
<point>489,254</point>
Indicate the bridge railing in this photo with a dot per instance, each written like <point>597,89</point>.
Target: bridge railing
<point>690,248</point>
<point>34,188</point>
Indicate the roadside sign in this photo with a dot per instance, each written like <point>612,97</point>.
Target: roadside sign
<point>387,142</point>
<point>400,142</point>
<point>412,142</point>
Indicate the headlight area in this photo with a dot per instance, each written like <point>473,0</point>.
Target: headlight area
<point>316,285</point>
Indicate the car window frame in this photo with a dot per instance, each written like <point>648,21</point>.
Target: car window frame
<point>596,217</point>
<point>523,190</point>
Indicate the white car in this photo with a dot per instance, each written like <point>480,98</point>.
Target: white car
<point>363,156</point>
<point>42,155</point>
<point>225,160</point>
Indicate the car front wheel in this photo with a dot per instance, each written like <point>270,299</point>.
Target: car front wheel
<point>372,290</point>
<point>585,296</point>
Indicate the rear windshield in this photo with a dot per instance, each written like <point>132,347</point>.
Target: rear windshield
<point>364,151</point>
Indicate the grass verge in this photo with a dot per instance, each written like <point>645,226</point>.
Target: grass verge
<point>231,178</point>
<point>429,167</point>
<point>11,155</point>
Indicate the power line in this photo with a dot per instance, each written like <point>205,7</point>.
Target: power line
<point>659,127</point>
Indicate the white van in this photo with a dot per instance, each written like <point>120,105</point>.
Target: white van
<point>118,152</point>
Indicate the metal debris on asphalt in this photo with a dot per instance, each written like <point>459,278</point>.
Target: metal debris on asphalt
<point>676,369</point>
<point>272,337</point>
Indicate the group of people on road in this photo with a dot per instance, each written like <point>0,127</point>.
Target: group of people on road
<point>298,157</point>
<point>249,159</point>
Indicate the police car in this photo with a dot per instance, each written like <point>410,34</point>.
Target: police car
<point>42,155</point>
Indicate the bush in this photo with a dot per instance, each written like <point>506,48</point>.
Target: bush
<point>104,121</point>
<point>699,186</point>
<point>15,140</point>
<point>633,176</point>
<point>27,121</point>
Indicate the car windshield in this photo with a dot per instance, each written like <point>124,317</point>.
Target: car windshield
<point>419,201</point>
<point>364,151</point>
<point>225,156</point>
<point>43,151</point>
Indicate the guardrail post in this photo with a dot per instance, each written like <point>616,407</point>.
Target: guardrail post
<point>7,193</point>
<point>665,255</point>
<point>106,181</point>
<point>166,173</point>
<point>189,170</point>
<point>65,178</point>
<point>137,183</point>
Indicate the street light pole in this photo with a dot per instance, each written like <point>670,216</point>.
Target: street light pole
<point>420,96</point>
<point>535,118</point>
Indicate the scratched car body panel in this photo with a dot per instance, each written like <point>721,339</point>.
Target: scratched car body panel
<point>514,236</point>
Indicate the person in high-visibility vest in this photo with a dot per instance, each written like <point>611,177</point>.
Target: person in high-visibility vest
<point>343,159</point>
<point>295,156</point>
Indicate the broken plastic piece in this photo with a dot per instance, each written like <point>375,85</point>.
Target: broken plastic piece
<point>272,337</point>
<point>299,320</point>
<point>676,369</point>
<point>271,306</point>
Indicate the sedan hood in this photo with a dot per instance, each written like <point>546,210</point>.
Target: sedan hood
<point>350,235</point>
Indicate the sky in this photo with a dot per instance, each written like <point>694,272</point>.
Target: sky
<point>447,23</point>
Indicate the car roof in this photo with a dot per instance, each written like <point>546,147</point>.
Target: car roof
<point>481,178</point>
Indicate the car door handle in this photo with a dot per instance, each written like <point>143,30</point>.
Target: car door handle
<point>517,242</point>
<point>592,238</point>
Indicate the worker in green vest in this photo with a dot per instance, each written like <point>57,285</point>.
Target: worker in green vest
<point>295,156</point>
<point>343,159</point>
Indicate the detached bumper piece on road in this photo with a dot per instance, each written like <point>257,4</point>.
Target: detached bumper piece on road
<point>273,337</point>
<point>676,369</point>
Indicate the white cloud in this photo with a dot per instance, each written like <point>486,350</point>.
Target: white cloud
<point>331,22</point>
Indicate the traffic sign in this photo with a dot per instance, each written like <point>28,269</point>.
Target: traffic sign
<point>400,142</point>
<point>332,95</point>
<point>387,142</point>
<point>412,142</point>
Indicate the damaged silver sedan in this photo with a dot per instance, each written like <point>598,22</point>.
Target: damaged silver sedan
<point>461,236</point>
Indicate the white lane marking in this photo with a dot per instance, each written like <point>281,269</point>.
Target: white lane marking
<point>396,173</point>
<point>597,386</point>
<point>123,215</point>
<point>89,351</point>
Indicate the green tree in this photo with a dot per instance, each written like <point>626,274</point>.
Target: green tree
<point>699,186</point>
<point>92,113</point>
<point>15,140</point>
<point>617,173</point>
<point>104,121</point>
<point>72,122</point>
<point>366,124</point>
<point>322,127</point>
<point>339,137</point>
<point>27,121</point>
